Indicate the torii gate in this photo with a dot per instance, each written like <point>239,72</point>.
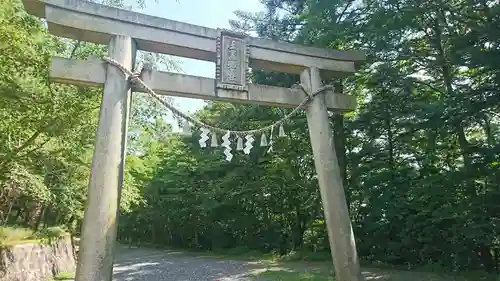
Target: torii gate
<point>124,32</point>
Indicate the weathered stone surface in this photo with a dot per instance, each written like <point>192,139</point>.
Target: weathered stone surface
<point>93,73</point>
<point>96,23</point>
<point>36,262</point>
<point>232,61</point>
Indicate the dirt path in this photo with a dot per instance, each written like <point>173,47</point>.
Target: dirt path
<point>155,265</point>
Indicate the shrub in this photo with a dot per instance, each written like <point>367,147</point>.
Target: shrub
<point>12,235</point>
<point>52,232</point>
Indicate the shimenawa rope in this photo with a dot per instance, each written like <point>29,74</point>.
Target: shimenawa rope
<point>134,78</point>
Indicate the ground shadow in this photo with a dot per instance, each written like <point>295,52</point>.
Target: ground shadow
<point>138,265</point>
<point>324,271</point>
<point>158,264</point>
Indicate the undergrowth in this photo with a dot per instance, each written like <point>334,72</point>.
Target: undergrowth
<point>63,276</point>
<point>293,276</point>
<point>13,235</point>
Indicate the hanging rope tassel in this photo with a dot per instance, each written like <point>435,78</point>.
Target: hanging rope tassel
<point>248,144</point>
<point>213,142</point>
<point>203,137</point>
<point>281,132</point>
<point>263,140</point>
<point>186,129</point>
<point>239,144</point>
<point>271,141</point>
<point>227,144</point>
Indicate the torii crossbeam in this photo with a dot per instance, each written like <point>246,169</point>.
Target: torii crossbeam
<point>125,32</point>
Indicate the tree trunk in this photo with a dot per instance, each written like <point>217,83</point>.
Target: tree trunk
<point>340,144</point>
<point>298,231</point>
<point>390,142</point>
<point>39,218</point>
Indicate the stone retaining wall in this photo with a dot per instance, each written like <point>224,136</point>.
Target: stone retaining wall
<point>36,262</point>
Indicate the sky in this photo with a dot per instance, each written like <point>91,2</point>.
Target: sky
<point>208,13</point>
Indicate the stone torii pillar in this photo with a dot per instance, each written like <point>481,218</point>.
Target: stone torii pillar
<point>125,31</point>
<point>96,253</point>
<point>340,233</point>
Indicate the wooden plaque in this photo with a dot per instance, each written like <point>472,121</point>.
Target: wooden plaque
<point>232,61</point>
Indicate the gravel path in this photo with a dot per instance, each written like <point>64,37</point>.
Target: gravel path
<point>146,264</point>
<point>155,265</point>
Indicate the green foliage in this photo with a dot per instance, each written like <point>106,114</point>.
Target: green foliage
<point>47,129</point>
<point>64,276</point>
<point>418,155</point>
<point>272,275</point>
<point>10,236</point>
<point>52,232</point>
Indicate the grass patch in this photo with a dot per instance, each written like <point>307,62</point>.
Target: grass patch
<point>306,256</point>
<point>317,266</point>
<point>52,232</point>
<point>273,275</point>
<point>64,276</point>
<point>242,253</point>
<point>237,253</point>
<point>12,235</point>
